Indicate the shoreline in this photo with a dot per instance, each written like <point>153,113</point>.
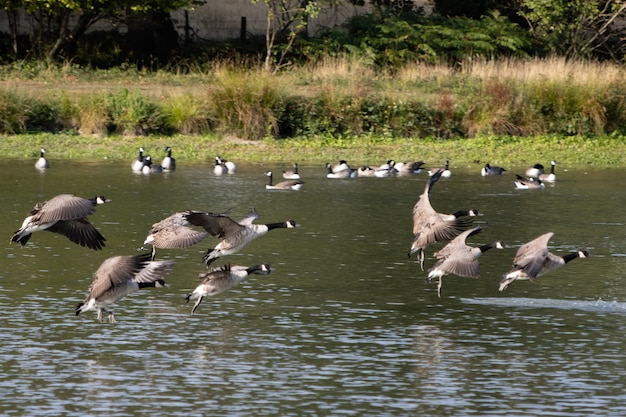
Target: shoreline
<point>496,150</point>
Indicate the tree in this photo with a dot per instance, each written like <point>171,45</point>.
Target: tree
<point>577,28</point>
<point>286,19</point>
<point>66,21</point>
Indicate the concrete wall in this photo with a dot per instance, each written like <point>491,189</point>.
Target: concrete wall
<point>218,20</point>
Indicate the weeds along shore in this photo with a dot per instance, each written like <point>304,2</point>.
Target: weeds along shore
<point>504,111</point>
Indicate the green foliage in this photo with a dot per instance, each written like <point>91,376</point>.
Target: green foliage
<point>246,104</point>
<point>393,41</point>
<point>12,113</point>
<point>131,113</point>
<point>186,114</point>
<point>577,29</point>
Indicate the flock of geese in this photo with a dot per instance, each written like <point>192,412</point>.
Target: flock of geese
<point>118,276</point>
<point>67,214</point>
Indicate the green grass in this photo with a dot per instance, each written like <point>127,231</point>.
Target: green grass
<point>501,150</point>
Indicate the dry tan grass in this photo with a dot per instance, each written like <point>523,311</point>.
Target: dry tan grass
<point>555,69</point>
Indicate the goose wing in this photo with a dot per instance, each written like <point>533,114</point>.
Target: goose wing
<point>250,218</point>
<point>531,256</point>
<point>457,245</point>
<point>79,231</point>
<point>423,212</point>
<point>65,207</point>
<point>177,237</point>
<point>551,262</point>
<point>115,271</point>
<point>176,219</point>
<point>215,224</point>
<point>462,262</point>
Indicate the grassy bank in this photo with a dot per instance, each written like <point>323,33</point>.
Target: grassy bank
<point>330,97</point>
<point>503,150</point>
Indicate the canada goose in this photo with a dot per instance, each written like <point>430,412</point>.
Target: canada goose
<point>551,177</point>
<point>283,185</point>
<point>137,164</point>
<point>368,171</point>
<point>230,165</point>
<point>42,162</point>
<point>121,275</point>
<point>344,173</point>
<point>365,171</point>
<point>528,183</point>
<point>460,259</point>
<point>430,227</point>
<point>234,236</point>
<point>168,163</point>
<point>65,214</point>
<point>150,167</point>
<point>534,171</point>
<point>224,278</point>
<point>492,170</point>
<point>445,171</point>
<point>341,166</point>
<point>220,167</point>
<point>173,232</point>
<point>292,174</point>
<point>533,260</point>
<point>408,168</point>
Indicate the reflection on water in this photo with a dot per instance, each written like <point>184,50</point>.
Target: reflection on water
<point>346,324</point>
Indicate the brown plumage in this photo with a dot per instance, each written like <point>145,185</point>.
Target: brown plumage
<point>458,258</point>
<point>65,214</point>
<point>430,226</point>
<point>121,275</point>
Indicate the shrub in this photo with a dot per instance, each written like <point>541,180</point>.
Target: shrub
<point>132,114</point>
<point>186,114</point>
<point>246,103</point>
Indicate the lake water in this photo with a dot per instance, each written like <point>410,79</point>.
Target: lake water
<point>345,325</point>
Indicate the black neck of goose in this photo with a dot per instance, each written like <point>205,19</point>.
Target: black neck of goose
<point>151,284</point>
<point>484,248</point>
<point>461,213</point>
<point>269,180</point>
<point>570,257</point>
<point>552,169</point>
<point>271,226</point>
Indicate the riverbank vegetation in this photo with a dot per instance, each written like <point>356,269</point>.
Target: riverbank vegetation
<point>396,80</point>
<point>332,97</point>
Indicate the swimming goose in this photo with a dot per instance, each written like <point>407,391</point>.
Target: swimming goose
<point>292,174</point>
<point>231,167</point>
<point>445,171</point>
<point>150,167</point>
<point>234,236</point>
<point>169,162</point>
<point>533,260</point>
<point>408,168</point>
<point>528,183</point>
<point>219,168</point>
<point>283,185</point>
<point>224,278</point>
<point>119,276</point>
<point>491,170</point>
<point>42,162</point>
<point>430,227</point>
<point>341,166</point>
<point>460,259</point>
<point>344,173</point>
<point>173,232</point>
<point>65,214</point>
<point>551,177</point>
<point>534,171</point>
<point>368,171</point>
<point>137,164</point>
